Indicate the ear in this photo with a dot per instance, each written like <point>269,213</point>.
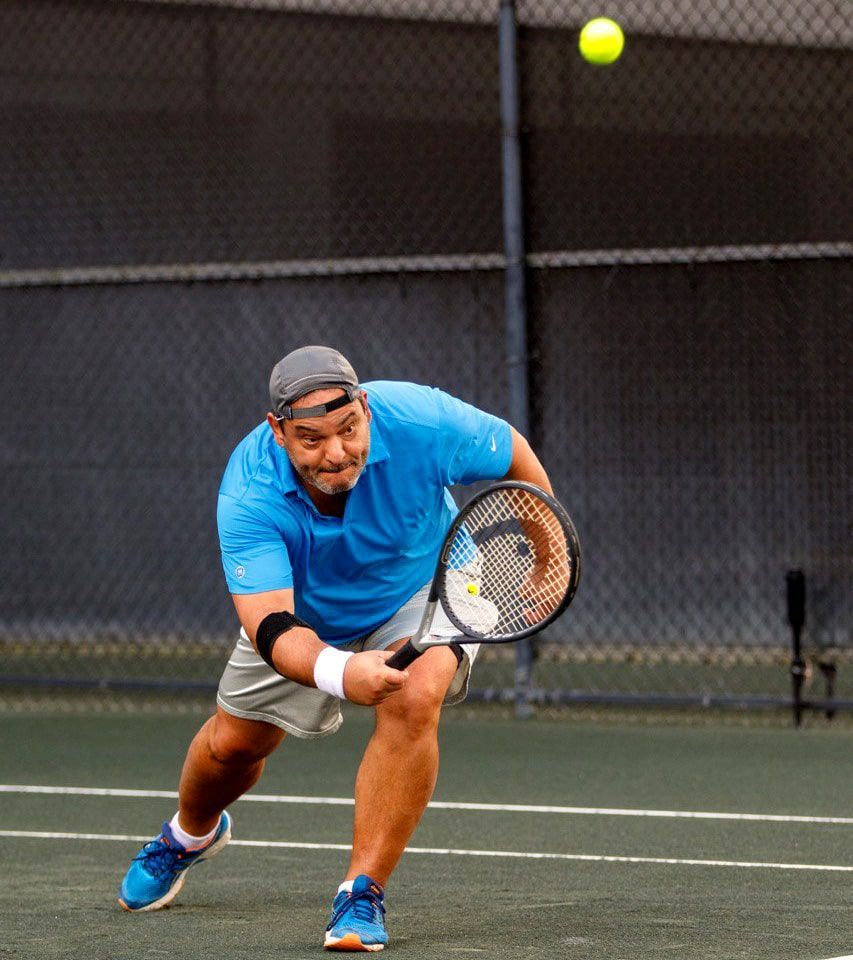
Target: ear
<point>277,428</point>
<point>365,406</point>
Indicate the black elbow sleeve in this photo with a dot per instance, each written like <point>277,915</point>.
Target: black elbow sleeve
<point>272,628</point>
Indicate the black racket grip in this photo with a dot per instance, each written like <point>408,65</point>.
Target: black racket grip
<point>403,657</point>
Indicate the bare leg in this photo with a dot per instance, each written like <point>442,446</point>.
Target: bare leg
<point>399,768</point>
<point>224,760</point>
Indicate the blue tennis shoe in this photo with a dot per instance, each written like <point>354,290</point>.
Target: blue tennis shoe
<point>358,918</point>
<point>159,870</point>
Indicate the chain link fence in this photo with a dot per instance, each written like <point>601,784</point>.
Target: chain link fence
<point>191,189</point>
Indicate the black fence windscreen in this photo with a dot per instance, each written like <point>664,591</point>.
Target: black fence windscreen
<point>188,190</point>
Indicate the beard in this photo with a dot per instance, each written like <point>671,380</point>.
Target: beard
<point>323,479</point>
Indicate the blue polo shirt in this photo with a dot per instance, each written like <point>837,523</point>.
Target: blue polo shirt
<point>351,574</point>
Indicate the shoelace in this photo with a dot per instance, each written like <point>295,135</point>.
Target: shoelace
<point>365,905</point>
<point>160,858</point>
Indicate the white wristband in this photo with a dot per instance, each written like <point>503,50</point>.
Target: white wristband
<point>329,671</point>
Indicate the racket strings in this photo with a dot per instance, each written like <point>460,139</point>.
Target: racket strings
<point>509,565</point>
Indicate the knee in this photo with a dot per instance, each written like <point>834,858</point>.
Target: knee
<point>231,746</point>
<point>415,709</point>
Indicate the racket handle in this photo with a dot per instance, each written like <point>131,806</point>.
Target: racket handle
<point>403,657</point>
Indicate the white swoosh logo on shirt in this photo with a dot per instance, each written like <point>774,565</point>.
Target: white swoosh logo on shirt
<point>494,445</point>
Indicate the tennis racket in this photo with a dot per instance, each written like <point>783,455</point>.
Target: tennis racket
<point>508,567</point>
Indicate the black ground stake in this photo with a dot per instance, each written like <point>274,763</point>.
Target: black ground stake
<point>796,583</point>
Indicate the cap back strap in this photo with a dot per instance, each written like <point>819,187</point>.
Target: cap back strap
<point>301,413</point>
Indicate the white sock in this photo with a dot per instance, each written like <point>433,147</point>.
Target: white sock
<point>187,840</point>
<point>346,885</point>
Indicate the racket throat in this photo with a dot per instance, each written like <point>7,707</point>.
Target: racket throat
<point>422,632</point>
<point>422,640</point>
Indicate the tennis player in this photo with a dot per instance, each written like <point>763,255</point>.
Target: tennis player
<point>331,514</point>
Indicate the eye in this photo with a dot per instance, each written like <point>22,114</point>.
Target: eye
<point>309,441</point>
<point>349,431</point>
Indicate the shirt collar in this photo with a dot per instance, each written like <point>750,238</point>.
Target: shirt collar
<point>290,482</point>
<point>378,450</point>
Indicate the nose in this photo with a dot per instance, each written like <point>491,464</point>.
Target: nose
<point>334,451</point>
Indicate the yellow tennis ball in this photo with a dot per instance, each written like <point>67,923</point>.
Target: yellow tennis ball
<point>473,588</point>
<point>601,41</point>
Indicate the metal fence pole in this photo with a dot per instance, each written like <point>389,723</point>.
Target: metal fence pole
<point>515,293</point>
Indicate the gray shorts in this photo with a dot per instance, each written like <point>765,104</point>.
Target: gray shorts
<point>252,690</point>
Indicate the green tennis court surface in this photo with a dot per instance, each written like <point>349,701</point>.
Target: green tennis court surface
<point>724,887</point>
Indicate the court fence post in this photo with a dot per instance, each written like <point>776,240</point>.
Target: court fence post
<point>515,295</point>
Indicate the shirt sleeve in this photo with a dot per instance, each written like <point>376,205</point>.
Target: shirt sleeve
<point>254,555</point>
<point>473,445</point>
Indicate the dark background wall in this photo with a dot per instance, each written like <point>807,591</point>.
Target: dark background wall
<point>694,417</point>
<point>144,132</point>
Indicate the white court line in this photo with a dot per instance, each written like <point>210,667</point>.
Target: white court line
<point>449,852</point>
<point>442,805</point>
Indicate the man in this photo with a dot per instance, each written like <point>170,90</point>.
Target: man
<point>331,515</point>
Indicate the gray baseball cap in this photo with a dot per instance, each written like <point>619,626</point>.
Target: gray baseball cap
<point>307,369</point>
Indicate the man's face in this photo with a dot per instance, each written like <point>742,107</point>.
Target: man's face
<point>327,452</point>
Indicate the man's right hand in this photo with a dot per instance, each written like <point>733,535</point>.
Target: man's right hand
<point>368,681</point>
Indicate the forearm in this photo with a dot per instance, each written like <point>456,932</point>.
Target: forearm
<point>525,465</point>
<point>295,653</point>
<point>293,649</point>
<point>299,654</point>
<point>268,618</point>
